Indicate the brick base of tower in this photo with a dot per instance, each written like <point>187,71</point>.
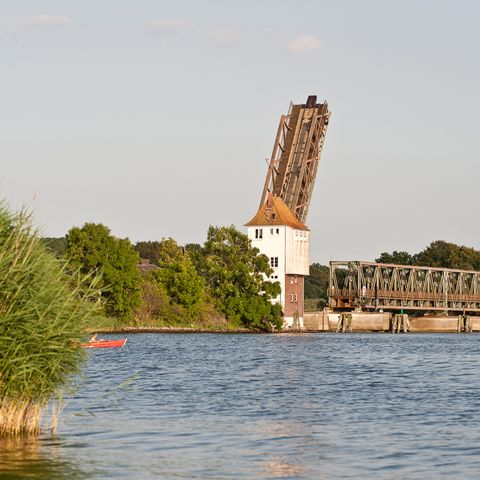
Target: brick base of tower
<point>293,308</point>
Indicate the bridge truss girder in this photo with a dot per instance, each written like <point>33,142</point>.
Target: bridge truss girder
<point>295,156</point>
<point>370,286</point>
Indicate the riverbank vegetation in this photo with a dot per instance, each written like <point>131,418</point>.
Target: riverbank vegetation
<point>219,285</point>
<point>43,314</point>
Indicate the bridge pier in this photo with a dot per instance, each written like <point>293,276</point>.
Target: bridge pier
<point>330,321</point>
<point>464,324</point>
<point>400,322</point>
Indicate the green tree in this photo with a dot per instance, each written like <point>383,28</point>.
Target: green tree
<point>196,254</point>
<point>449,255</point>
<point>439,254</point>
<point>154,305</point>
<point>149,250</point>
<point>57,246</point>
<point>396,258</point>
<point>316,284</point>
<point>235,273</point>
<point>93,249</point>
<point>179,277</point>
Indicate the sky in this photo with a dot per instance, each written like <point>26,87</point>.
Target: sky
<point>156,118</point>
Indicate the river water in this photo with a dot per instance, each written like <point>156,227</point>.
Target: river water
<point>313,406</point>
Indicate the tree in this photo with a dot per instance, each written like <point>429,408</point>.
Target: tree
<point>448,255</point>
<point>178,276</point>
<point>396,258</point>
<point>316,284</point>
<point>439,254</point>
<point>154,304</point>
<point>196,254</point>
<point>57,246</point>
<point>148,250</point>
<point>236,274</point>
<point>93,249</point>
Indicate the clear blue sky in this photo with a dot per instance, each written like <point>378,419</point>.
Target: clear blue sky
<point>155,117</point>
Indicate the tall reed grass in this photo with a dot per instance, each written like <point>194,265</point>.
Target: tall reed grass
<point>43,313</point>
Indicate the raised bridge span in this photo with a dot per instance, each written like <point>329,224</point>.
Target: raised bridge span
<point>374,286</point>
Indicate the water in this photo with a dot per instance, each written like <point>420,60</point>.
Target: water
<point>317,406</point>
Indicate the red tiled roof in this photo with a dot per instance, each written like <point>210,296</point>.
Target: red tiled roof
<point>276,212</point>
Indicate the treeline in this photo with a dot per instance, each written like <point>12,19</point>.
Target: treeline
<point>219,284</point>
<point>438,254</point>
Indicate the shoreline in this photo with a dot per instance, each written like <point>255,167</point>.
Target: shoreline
<point>187,330</point>
<point>133,330</point>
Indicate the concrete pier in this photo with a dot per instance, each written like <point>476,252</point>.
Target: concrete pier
<point>327,321</point>
<point>361,322</point>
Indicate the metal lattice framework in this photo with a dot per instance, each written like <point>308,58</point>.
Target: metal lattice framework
<point>296,153</point>
<point>371,285</point>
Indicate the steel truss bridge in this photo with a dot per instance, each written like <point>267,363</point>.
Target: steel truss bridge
<point>371,286</point>
<point>292,168</point>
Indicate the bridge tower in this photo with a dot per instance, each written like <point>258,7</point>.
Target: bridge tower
<point>278,229</point>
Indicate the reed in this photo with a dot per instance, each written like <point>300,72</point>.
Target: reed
<point>43,313</point>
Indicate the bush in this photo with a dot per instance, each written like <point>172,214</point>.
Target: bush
<point>42,316</point>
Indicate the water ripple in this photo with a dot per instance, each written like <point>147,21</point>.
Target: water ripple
<point>314,406</point>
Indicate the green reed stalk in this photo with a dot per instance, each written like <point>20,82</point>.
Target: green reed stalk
<point>43,313</point>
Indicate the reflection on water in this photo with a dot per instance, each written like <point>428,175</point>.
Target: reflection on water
<point>313,406</point>
<point>29,457</point>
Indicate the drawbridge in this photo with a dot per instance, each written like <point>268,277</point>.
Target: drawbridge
<point>377,286</point>
<point>296,153</point>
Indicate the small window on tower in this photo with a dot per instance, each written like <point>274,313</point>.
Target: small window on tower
<point>273,216</point>
<point>295,298</point>
<point>291,298</point>
<point>295,279</point>
<point>258,233</point>
<point>291,281</point>
<point>277,231</point>
<point>271,231</point>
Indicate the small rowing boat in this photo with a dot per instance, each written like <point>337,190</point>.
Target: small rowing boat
<point>105,343</point>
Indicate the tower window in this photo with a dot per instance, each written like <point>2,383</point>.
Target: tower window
<point>291,298</point>
<point>277,231</point>
<point>258,233</point>
<point>295,298</point>
<point>274,262</point>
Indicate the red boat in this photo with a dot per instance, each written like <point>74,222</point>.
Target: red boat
<point>105,343</point>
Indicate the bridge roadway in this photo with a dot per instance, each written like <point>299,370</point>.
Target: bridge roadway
<point>375,286</point>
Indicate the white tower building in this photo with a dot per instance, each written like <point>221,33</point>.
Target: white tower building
<point>285,240</point>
